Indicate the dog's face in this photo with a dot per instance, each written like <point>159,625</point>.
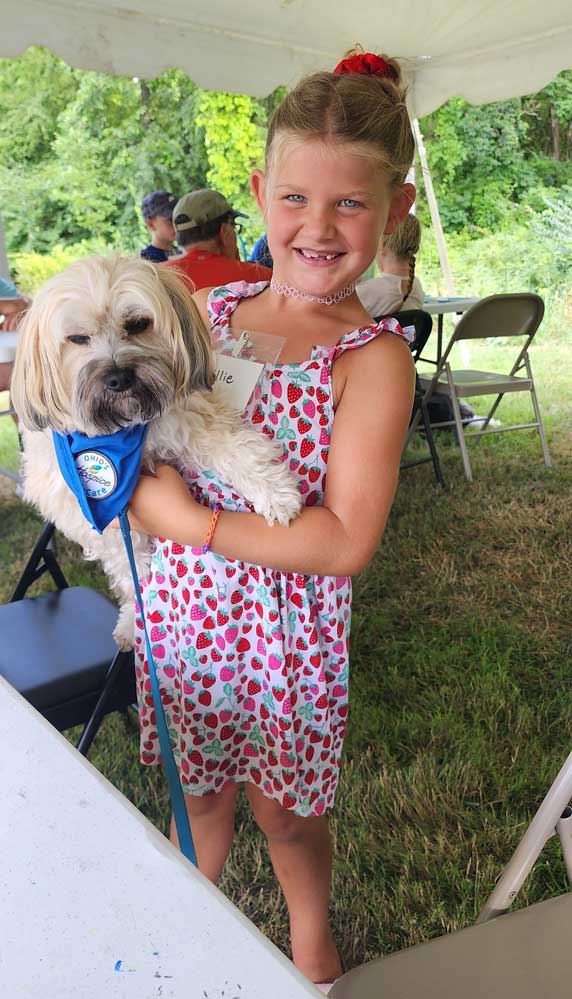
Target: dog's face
<point>109,342</point>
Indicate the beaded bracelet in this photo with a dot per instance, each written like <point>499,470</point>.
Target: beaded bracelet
<point>210,533</point>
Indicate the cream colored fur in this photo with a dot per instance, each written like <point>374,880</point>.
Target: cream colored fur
<point>60,384</point>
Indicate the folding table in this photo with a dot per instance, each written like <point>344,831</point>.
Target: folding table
<point>96,903</point>
<point>444,306</point>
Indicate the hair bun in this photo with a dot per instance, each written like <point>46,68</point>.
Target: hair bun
<point>369,64</point>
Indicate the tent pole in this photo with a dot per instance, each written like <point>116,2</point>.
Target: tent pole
<point>438,228</point>
<point>434,209</point>
<point>4,269</point>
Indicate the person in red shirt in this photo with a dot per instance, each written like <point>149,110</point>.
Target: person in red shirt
<point>206,230</point>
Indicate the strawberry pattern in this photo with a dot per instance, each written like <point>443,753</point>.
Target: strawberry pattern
<point>253,663</point>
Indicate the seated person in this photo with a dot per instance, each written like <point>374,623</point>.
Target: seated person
<point>397,288</point>
<point>205,225</point>
<point>12,307</point>
<point>157,211</point>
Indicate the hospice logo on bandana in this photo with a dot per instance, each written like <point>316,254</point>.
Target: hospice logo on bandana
<point>97,474</point>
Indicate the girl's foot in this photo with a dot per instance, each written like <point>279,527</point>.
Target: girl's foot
<point>320,962</point>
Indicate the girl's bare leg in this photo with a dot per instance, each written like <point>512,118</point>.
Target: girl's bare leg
<point>301,855</point>
<point>212,825</point>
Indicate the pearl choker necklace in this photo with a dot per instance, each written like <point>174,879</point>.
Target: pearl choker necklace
<point>302,296</point>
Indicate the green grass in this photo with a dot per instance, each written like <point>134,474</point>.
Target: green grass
<point>460,707</point>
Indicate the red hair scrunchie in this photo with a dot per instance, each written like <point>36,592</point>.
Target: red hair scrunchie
<point>367,64</point>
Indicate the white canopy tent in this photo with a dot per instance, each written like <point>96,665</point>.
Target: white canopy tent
<point>478,49</point>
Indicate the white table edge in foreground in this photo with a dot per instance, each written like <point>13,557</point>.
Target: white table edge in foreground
<point>96,901</point>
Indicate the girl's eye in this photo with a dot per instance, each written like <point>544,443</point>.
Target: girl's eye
<point>350,203</point>
<point>297,199</point>
<point>81,341</point>
<point>136,324</point>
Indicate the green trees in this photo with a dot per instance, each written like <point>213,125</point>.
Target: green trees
<point>79,149</point>
<point>492,162</point>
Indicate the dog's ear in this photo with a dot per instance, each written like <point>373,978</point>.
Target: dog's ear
<point>30,391</point>
<point>193,364</point>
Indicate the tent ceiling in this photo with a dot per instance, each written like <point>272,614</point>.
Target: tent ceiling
<point>480,49</point>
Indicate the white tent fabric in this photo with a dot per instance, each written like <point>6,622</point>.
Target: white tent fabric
<point>483,50</point>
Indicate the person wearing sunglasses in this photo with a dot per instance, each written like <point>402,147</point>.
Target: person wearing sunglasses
<point>207,229</point>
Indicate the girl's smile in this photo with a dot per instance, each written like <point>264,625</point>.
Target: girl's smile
<point>317,258</point>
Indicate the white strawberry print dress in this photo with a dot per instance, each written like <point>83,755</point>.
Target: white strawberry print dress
<point>253,663</point>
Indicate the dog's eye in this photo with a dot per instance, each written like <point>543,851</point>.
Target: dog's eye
<point>79,339</point>
<point>136,325</point>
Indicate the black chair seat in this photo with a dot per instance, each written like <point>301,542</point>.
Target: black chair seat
<point>56,650</point>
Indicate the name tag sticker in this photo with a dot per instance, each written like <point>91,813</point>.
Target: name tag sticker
<point>237,379</point>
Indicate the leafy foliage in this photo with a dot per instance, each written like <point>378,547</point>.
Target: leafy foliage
<point>234,135</point>
<point>78,149</point>
<point>488,160</point>
<point>554,227</point>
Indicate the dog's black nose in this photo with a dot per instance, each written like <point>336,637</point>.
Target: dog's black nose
<point>119,379</point>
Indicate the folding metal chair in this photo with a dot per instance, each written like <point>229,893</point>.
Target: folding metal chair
<point>423,324</point>
<point>504,316</point>
<point>57,649</point>
<point>519,955</point>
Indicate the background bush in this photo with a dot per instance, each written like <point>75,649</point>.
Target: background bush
<point>79,150</point>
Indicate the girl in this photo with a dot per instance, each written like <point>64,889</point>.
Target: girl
<point>253,661</point>
<point>397,288</point>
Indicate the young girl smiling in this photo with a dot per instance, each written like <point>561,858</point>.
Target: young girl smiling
<point>253,661</point>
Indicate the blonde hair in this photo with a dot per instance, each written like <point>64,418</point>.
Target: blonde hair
<point>366,111</point>
<point>404,243</point>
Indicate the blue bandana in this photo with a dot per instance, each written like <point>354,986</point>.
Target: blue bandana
<point>102,472</point>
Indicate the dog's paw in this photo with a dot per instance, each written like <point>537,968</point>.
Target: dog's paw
<point>281,503</point>
<point>125,629</point>
<point>123,642</point>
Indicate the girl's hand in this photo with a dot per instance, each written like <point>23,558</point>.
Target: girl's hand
<point>162,506</point>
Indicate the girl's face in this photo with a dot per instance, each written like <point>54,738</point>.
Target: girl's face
<point>325,209</point>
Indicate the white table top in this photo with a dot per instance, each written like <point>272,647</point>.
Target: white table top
<point>8,341</point>
<point>442,306</point>
<point>96,903</point>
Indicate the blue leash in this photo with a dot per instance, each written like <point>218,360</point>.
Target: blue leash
<point>102,472</point>
<point>175,789</point>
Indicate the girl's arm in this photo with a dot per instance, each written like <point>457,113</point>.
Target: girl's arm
<point>341,537</point>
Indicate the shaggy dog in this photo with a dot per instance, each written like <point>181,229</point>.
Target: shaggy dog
<point>114,342</point>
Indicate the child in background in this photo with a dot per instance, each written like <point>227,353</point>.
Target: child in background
<point>253,661</point>
<point>397,288</point>
<point>157,211</point>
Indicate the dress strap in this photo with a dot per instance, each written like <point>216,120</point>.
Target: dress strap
<point>222,302</point>
<point>357,338</point>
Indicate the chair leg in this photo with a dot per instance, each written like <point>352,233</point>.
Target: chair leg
<point>431,441</point>
<point>541,434</point>
<point>34,569</point>
<point>544,824</point>
<point>413,426</point>
<point>122,661</point>
<point>459,425</point>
